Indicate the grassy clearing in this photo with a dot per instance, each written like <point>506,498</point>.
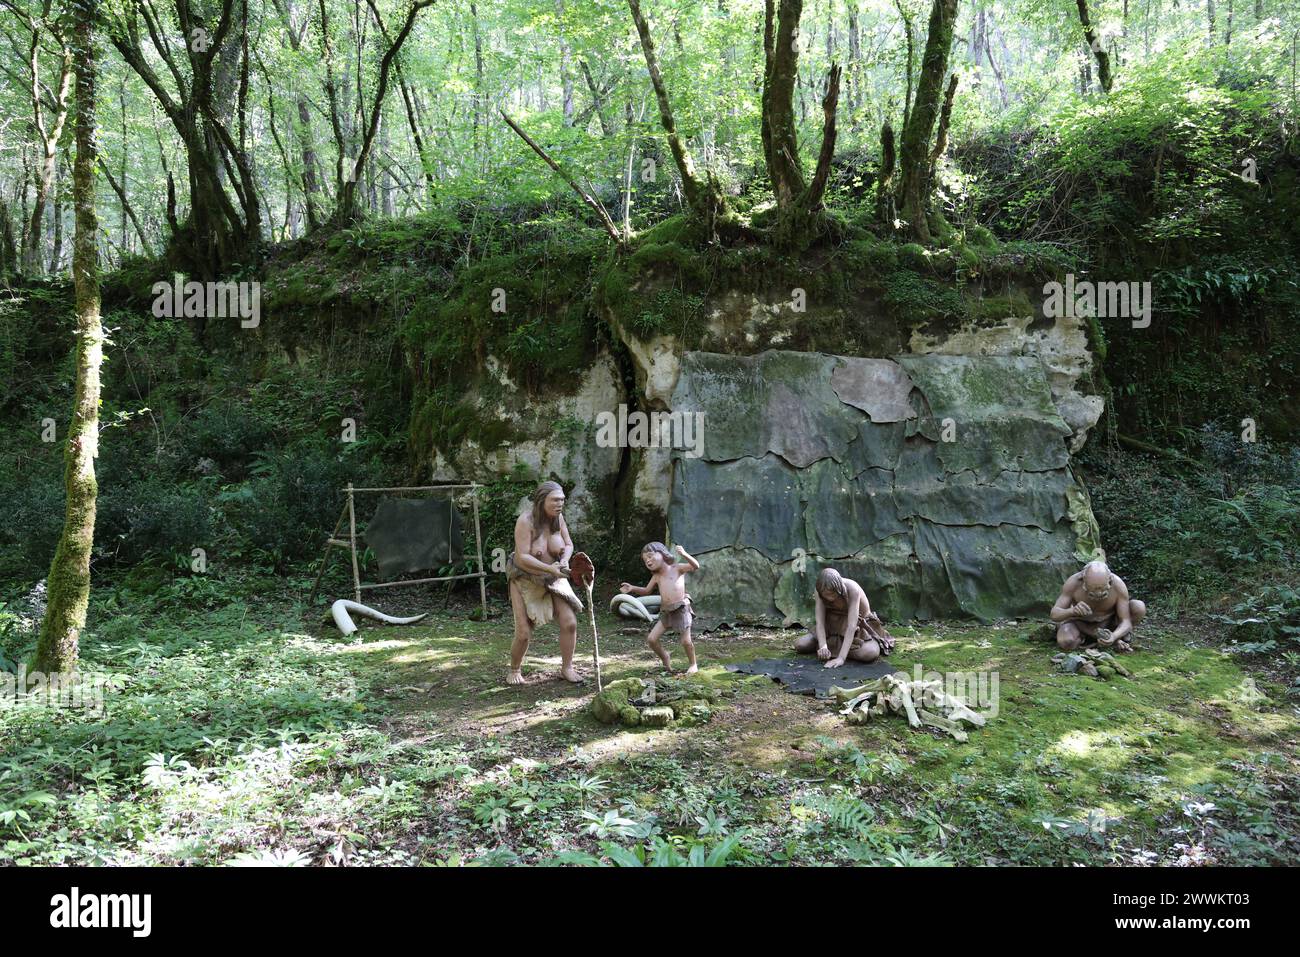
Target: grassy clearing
<point>260,736</point>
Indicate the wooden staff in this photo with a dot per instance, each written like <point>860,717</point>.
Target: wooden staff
<point>582,571</point>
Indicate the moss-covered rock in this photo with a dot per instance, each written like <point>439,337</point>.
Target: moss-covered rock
<point>614,704</point>
<point>657,716</point>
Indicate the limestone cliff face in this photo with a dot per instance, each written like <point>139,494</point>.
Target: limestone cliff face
<point>824,441</point>
<point>746,324</point>
<point>548,437</point>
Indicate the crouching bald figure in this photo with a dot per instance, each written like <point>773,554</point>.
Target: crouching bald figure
<point>1095,606</point>
<point>845,626</point>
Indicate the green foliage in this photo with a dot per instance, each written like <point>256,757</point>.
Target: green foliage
<point>1235,521</point>
<point>294,493</point>
<point>920,299</point>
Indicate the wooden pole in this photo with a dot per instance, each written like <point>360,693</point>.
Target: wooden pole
<point>478,545</point>
<point>352,540</point>
<point>328,544</point>
<point>595,636</point>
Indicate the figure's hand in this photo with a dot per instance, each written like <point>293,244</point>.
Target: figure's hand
<point>681,551</point>
<point>824,653</point>
<point>1081,609</point>
<point>625,587</point>
<point>559,571</point>
<point>1105,636</point>
<point>834,663</point>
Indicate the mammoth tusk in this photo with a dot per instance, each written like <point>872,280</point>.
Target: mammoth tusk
<point>339,610</point>
<point>629,606</point>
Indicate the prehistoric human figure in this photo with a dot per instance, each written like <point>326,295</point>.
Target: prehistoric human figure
<point>845,627</point>
<point>538,573</point>
<point>669,578</point>
<point>1095,605</point>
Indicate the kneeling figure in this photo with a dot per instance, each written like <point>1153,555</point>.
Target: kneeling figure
<point>845,625</point>
<point>1095,606</point>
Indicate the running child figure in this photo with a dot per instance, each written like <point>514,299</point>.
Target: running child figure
<point>674,604</point>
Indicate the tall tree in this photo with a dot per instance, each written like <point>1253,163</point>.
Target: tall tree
<point>798,202</point>
<point>49,106</point>
<point>217,233</point>
<point>347,210</point>
<point>703,194</point>
<point>914,151</point>
<point>295,27</point>
<point>1094,41</point>
<point>69,582</point>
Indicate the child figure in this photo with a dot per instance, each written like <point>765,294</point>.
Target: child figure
<point>674,604</point>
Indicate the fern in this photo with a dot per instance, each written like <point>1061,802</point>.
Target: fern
<point>844,812</point>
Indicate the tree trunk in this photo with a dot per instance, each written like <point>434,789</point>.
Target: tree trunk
<point>566,67</point>
<point>941,135</point>
<point>1091,37</point>
<point>886,205</point>
<point>56,223</point>
<point>704,196</point>
<point>8,248</point>
<point>69,581</point>
<point>799,203</point>
<point>781,65</point>
<point>303,128</point>
<point>914,153</point>
<point>480,95</point>
<point>346,210</point>
<point>852,76</point>
<point>216,233</point>
<point>412,120</point>
<point>48,133</point>
<point>127,211</point>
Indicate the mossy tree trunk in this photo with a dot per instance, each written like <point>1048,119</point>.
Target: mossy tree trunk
<point>941,135</point>
<point>704,196</point>
<point>914,154</point>
<point>69,582</point>
<point>216,233</point>
<point>799,202</point>
<point>1104,75</point>
<point>780,74</point>
<point>886,207</point>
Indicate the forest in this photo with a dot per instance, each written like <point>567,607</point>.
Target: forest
<point>972,300</point>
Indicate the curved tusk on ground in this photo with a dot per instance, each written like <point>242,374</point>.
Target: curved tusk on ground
<point>340,609</point>
<point>629,606</point>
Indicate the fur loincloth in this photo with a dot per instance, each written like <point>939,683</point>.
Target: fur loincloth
<point>677,616</point>
<point>538,590</point>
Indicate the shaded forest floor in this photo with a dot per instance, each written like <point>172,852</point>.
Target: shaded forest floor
<point>259,735</point>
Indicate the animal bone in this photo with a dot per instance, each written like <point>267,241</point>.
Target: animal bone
<point>341,608</point>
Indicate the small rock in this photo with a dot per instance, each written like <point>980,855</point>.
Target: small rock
<point>658,716</point>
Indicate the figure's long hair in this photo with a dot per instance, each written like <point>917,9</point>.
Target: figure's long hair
<point>542,523</point>
<point>831,580</point>
<point>661,549</point>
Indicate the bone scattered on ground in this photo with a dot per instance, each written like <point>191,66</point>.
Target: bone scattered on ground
<point>923,702</point>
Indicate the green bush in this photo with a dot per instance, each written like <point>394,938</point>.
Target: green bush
<point>153,518</point>
<point>291,501</point>
<point>1214,531</point>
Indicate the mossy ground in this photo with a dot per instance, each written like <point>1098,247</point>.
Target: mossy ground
<point>407,747</point>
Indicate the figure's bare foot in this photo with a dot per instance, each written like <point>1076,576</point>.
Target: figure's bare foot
<point>1123,646</point>
<point>666,658</point>
<point>692,669</point>
<point>570,674</point>
<point>516,678</point>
